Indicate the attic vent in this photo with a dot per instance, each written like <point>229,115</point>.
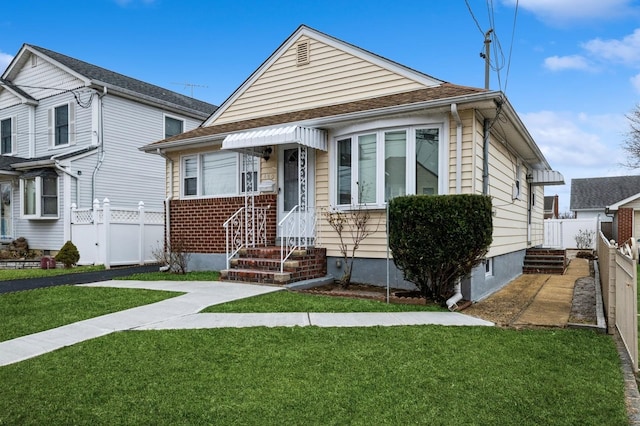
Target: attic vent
<point>34,60</point>
<point>302,53</point>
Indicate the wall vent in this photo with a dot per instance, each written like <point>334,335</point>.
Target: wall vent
<point>302,53</point>
<point>34,60</point>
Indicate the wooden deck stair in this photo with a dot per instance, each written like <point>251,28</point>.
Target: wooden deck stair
<point>544,261</point>
<point>262,265</point>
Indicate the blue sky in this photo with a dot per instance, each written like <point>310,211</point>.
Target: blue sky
<point>571,68</point>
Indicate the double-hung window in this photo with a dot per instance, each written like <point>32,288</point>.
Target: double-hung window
<point>172,126</point>
<point>219,173</point>
<point>61,123</point>
<point>374,166</point>
<point>39,195</point>
<point>7,135</point>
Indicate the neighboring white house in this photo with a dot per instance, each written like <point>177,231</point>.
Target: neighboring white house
<point>70,133</point>
<point>330,125</point>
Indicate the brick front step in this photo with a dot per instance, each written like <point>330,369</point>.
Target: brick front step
<point>262,265</point>
<point>544,261</point>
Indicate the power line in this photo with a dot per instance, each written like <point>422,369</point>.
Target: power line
<point>474,17</point>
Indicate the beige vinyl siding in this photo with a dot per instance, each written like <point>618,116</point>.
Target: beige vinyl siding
<point>510,220</point>
<point>333,76</point>
<point>537,217</point>
<point>467,184</point>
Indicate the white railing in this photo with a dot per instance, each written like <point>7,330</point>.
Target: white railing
<point>297,231</point>
<point>247,227</point>
<point>618,278</point>
<point>114,236</point>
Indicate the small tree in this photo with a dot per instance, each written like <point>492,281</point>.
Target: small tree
<point>585,239</point>
<point>175,256</point>
<point>355,222</point>
<point>68,255</point>
<point>631,144</point>
<point>436,240</point>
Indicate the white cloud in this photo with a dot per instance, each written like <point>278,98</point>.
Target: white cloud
<point>5,60</point>
<point>576,140</point>
<point>635,82</point>
<point>626,51</point>
<point>565,11</point>
<point>559,63</point>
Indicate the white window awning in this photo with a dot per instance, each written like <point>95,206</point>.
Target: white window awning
<point>247,141</point>
<point>546,177</point>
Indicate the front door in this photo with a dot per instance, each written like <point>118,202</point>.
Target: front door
<point>296,192</point>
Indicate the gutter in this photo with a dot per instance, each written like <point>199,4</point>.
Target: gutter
<point>332,119</point>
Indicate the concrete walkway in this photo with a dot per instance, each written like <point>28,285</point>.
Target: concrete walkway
<point>182,312</point>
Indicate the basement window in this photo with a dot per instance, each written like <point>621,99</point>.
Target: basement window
<point>488,267</point>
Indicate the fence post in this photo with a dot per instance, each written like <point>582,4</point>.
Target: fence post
<point>611,309</point>
<point>96,231</point>
<point>141,242</point>
<point>106,213</point>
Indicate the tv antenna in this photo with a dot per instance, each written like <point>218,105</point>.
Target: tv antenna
<point>190,86</point>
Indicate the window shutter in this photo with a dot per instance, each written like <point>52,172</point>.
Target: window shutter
<point>72,123</point>
<point>50,131</point>
<point>14,134</point>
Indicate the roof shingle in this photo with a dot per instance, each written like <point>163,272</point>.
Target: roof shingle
<point>600,192</point>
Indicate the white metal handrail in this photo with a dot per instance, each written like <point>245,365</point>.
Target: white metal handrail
<point>297,230</point>
<point>247,227</point>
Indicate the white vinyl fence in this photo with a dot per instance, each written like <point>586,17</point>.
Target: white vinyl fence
<point>562,233</point>
<point>115,236</point>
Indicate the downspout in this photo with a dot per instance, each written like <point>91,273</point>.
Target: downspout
<point>485,161</point>
<point>452,302</point>
<point>167,200</point>
<point>100,144</point>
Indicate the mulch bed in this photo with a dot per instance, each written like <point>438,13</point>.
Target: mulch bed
<point>371,292</point>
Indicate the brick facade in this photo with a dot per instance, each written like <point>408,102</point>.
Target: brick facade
<point>198,223</point>
<point>625,224</point>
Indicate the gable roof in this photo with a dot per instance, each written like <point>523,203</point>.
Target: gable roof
<point>102,77</point>
<point>303,31</point>
<point>601,192</point>
<point>549,201</point>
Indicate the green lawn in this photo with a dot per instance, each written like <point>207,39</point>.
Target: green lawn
<point>291,301</point>
<point>16,274</point>
<point>309,375</point>
<point>166,276</point>
<point>27,312</point>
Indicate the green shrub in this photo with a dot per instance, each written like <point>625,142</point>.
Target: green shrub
<point>436,240</point>
<point>68,255</point>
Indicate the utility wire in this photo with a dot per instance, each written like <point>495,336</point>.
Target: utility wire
<point>474,17</point>
<point>513,33</point>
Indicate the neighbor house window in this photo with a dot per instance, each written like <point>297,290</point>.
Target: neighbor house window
<point>62,125</point>
<point>219,173</point>
<point>389,163</point>
<point>7,135</point>
<point>6,215</point>
<point>39,196</point>
<point>172,126</point>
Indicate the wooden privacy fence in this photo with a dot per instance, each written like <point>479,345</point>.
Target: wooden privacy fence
<point>115,236</point>
<point>565,233</point>
<point>618,267</point>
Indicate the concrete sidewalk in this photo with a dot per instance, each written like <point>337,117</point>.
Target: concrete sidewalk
<point>182,312</point>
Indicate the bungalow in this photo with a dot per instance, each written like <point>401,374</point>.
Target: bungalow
<point>614,200</point>
<point>70,133</point>
<point>325,125</point>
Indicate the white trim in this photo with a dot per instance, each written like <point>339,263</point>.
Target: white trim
<point>38,201</point>
<point>410,153</point>
<point>621,203</point>
<point>164,123</point>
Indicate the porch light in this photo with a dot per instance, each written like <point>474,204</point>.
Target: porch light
<point>266,153</point>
